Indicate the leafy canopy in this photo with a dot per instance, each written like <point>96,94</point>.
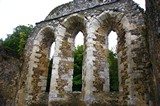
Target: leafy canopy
<point>113,71</point>
<point>77,75</point>
<point>17,40</point>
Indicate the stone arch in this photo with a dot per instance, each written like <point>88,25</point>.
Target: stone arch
<point>74,22</point>
<point>38,65</point>
<point>95,19</point>
<point>63,62</point>
<point>128,32</point>
<point>116,21</point>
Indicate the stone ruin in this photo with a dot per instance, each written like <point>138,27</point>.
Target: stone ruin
<point>95,19</point>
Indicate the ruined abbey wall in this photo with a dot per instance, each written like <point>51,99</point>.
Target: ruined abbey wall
<point>10,65</point>
<point>95,19</point>
<point>24,83</point>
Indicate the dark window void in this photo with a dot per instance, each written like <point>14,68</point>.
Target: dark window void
<point>49,75</point>
<point>113,62</point>
<point>78,60</point>
<point>50,67</point>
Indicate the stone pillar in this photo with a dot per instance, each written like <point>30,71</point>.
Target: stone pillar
<point>101,72</point>
<point>62,70</point>
<point>95,67</point>
<point>137,73</point>
<point>88,68</point>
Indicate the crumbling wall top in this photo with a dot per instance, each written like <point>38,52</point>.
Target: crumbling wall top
<point>76,6</point>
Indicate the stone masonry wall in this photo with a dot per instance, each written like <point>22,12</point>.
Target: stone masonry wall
<point>34,82</point>
<point>95,19</point>
<point>9,76</point>
<point>153,38</point>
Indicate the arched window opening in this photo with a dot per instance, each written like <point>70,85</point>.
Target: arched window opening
<point>78,61</point>
<point>113,62</point>
<point>50,67</point>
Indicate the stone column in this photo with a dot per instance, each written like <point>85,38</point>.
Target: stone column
<point>62,70</point>
<point>134,77</point>
<point>95,67</point>
<point>101,72</point>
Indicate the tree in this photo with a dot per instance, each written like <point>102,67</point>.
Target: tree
<point>77,75</point>
<point>17,40</point>
<point>113,71</point>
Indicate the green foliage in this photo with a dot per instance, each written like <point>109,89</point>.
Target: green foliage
<point>77,76</point>
<point>17,40</point>
<point>113,71</point>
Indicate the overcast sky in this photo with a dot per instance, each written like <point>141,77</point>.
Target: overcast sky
<point>24,12</point>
